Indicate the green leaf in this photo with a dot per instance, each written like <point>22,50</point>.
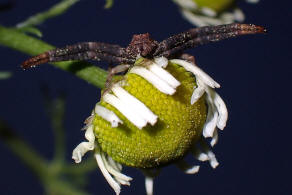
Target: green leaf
<point>18,41</point>
<point>54,11</point>
<point>5,75</point>
<point>31,30</point>
<point>108,4</point>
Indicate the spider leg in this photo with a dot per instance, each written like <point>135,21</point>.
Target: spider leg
<point>187,57</point>
<point>201,35</point>
<point>111,73</point>
<point>82,51</point>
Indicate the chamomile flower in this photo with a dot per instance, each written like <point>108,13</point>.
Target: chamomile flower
<point>155,115</point>
<point>211,12</point>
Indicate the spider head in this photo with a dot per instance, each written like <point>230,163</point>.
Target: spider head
<point>142,45</point>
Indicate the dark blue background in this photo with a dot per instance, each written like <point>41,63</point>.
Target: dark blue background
<point>254,72</point>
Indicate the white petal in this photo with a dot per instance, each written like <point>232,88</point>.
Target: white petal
<point>214,138</point>
<point>122,107</point>
<point>186,168</point>
<point>197,72</point>
<point>211,120</point>
<point>84,147</point>
<point>161,61</point>
<point>238,15</point>
<point>114,172</point>
<point>227,17</point>
<point>220,106</point>
<point>200,20</point>
<point>223,113</point>
<point>108,115</point>
<point>149,185</point>
<point>212,159</point>
<point>114,164</point>
<point>208,12</point>
<point>198,92</point>
<point>116,187</point>
<point>164,75</point>
<point>123,182</point>
<point>193,18</point>
<point>80,150</point>
<point>133,103</point>
<point>154,80</point>
<point>89,135</point>
<point>199,155</point>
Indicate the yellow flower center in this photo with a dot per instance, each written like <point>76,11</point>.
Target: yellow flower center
<point>179,123</point>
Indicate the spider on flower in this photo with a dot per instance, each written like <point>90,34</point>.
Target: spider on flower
<point>161,109</point>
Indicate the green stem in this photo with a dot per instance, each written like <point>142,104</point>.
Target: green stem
<point>57,118</point>
<point>23,151</point>
<point>59,187</point>
<point>16,40</point>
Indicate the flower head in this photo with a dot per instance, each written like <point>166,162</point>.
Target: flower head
<point>211,12</point>
<point>156,114</point>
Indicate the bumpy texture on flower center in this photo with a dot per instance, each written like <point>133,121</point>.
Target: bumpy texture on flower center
<point>179,123</point>
<point>216,5</point>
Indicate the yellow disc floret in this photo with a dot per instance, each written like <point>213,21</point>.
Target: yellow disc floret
<point>179,123</point>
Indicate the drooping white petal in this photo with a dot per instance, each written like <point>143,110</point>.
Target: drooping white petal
<point>220,106</point>
<point>214,138</point>
<point>84,147</point>
<point>122,182</point>
<point>161,61</point>
<point>122,107</point>
<point>149,181</point>
<point>186,168</point>
<point>205,78</point>
<point>199,155</point>
<point>114,164</point>
<point>222,110</point>
<point>113,183</point>
<point>164,75</point>
<point>89,135</point>
<point>114,172</point>
<point>154,80</point>
<point>108,115</point>
<point>211,120</point>
<point>198,91</point>
<point>212,159</point>
<point>136,105</point>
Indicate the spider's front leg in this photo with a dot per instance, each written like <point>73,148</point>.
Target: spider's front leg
<point>187,57</point>
<point>82,51</point>
<point>112,72</point>
<point>203,35</point>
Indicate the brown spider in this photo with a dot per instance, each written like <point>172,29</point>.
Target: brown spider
<point>143,46</point>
